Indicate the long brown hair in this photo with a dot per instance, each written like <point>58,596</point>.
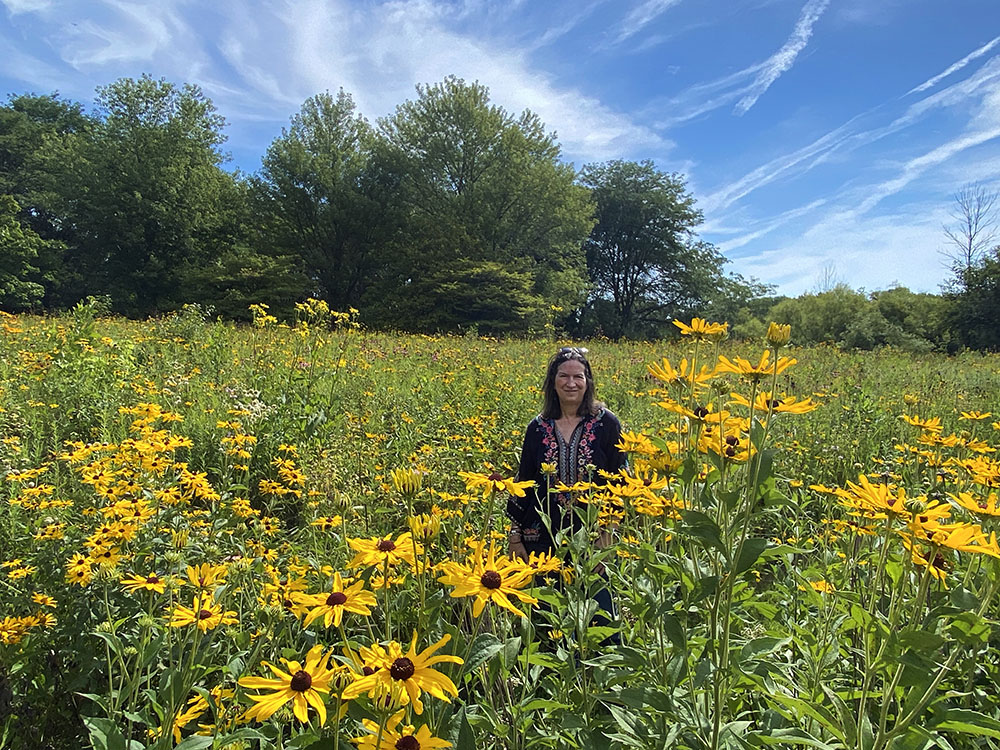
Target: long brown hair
<point>588,406</point>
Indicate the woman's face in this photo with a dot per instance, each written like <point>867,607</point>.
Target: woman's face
<point>571,384</point>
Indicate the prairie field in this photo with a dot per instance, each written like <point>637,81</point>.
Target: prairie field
<point>292,535</point>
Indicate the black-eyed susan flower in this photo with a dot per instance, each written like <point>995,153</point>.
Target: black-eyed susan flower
<point>301,684</point>
<point>701,329</point>
<point>755,372</point>
<point>394,737</point>
<point>410,670</point>
<point>151,582</point>
<point>332,605</point>
<point>207,575</point>
<point>204,612</point>
<point>495,482</point>
<point>382,551</point>
<point>491,579</point>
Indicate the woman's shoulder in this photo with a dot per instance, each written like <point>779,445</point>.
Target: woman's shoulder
<point>607,417</point>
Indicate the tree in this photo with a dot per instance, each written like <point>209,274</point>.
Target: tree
<point>318,200</point>
<point>38,135</point>
<point>975,216</point>
<point>483,196</point>
<point>975,304</point>
<point>147,195</point>
<point>645,264</point>
<point>19,247</point>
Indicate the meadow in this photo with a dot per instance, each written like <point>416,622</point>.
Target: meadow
<point>291,535</point>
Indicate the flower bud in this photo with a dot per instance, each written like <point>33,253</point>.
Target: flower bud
<point>778,335</point>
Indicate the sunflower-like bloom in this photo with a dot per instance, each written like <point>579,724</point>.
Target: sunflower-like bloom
<point>152,582</point>
<point>379,551</point>
<point>203,612</point>
<point>764,403</point>
<point>983,506</point>
<point>410,670</point>
<point>206,575</point>
<point>637,442</point>
<point>931,424</point>
<point>684,375</point>
<point>962,537</point>
<point>755,372</point>
<point>331,606</point>
<point>495,482</point>
<point>975,416</point>
<point>301,685</point>
<point>490,579</point>
<point>938,565</point>
<point>394,738</point>
<point>700,329</point>
<point>881,500</point>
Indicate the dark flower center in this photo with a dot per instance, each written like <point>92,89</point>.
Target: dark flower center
<point>491,579</point>
<point>730,451</point>
<point>367,671</point>
<point>409,742</point>
<point>495,477</point>
<point>731,440</point>
<point>774,403</point>
<point>301,681</point>
<point>336,599</point>
<point>153,579</point>
<point>402,669</point>
<point>701,412</point>
<point>385,545</point>
<point>204,614</point>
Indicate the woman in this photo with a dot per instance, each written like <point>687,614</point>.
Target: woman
<point>574,437</point>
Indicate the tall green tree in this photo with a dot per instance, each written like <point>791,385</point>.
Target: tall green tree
<point>19,250</point>
<point>319,201</point>
<point>645,263</point>
<point>148,196</point>
<point>38,135</point>
<point>484,200</point>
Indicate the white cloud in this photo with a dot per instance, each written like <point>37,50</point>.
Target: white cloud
<point>784,58</point>
<point>931,82</point>
<point>640,16</point>
<point>26,6</point>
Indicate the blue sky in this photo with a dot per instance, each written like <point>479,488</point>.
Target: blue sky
<point>822,138</point>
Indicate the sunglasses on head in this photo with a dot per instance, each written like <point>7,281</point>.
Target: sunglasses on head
<point>579,350</point>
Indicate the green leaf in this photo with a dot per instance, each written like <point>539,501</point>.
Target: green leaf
<point>673,629</point>
<point>704,588</point>
<point>921,640</point>
<point>198,742</point>
<point>703,527</point>
<point>484,648</point>
<point>962,598</point>
<point>752,549</point>
<point>105,735</point>
<point>760,646</point>
<point>969,722</point>
<point>799,709</point>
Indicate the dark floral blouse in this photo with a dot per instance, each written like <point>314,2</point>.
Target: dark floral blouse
<point>593,444</point>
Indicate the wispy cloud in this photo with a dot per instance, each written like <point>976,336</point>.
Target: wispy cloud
<point>784,58</point>
<point>639,17</point>
<point>931,82</point>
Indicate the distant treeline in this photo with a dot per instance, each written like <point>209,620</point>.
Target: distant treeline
<point>451,214</point>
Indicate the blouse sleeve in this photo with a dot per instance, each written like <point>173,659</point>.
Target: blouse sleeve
<point>613,436</point>
<point>521,510</point>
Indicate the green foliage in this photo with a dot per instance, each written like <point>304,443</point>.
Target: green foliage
<point>317,200</point>
<point>895,317</point>
<point>641,256</point>
<point>476,187</point>
<point>975,312</point>
<point>19,247</point>
<point>148,196</point>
